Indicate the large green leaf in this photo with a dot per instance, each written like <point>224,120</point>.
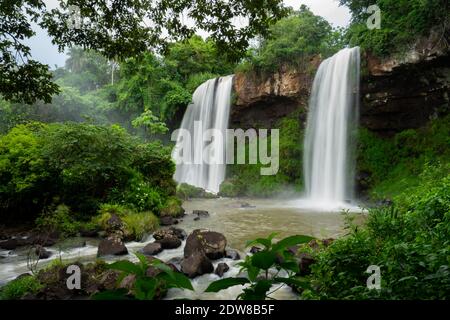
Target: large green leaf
<point>266,242</point>
<point>145,288</point>
<point>176,280</point>
<point>226,283</point>
<point>263,259</point>
<point>125,266</point>
<point>291,241</point>
<point>256,292</point>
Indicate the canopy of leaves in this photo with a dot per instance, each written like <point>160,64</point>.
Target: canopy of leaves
<point>294,39</point>
<point>402,22</point>
<point>118,30</point>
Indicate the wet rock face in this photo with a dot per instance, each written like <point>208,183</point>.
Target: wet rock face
<point>262,99</point>
<point>406,97</point>
<point>196,264</point>
<point>211,243</point>
<point>111,246</point>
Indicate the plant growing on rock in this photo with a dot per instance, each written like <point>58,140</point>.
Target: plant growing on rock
<point>150,280</point>
<point>273,265</point>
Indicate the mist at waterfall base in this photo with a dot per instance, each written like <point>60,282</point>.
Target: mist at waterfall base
<point>210,105</point>
<point>329,137</point>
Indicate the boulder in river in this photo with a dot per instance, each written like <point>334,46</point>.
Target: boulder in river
<point>111,246</point>
<point>167,221</point>
<point>232,254</point>
<point>201,213</point>
<point>211,243</point>
<point>169,232</point>
<point>221,269</point>
<point>196,264</point>
<point>152,249</point>
<point>9,244</point>
<point>169,242</point>
<point>306,260</point>
<point>42,253</point>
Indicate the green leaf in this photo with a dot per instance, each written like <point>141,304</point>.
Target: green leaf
<point>178,280</point>
<point>125,266</point>
<point>264,259</point>
<point>145,288</point>
<point>226,283</point>
<point>143,259</point>
<point>253,272</point>
<point>266,242</point>
<point>256,292</point>
<point>291,241</point>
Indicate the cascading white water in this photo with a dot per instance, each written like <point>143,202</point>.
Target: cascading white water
<point>333,112</point>
<point>210,109</point>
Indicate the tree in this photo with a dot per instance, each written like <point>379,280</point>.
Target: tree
<point>119,29</point>
<point>22,78</point>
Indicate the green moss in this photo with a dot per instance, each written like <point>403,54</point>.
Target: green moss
<point>135,224</point>
<point>139,224</point>
<point>229,188</point>
<point>186,191</point>
<point>172,208</point>
<point>405,161</point>
<point>246,179</point>
<point>17,288</point>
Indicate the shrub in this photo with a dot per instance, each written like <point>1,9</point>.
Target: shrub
<point>172,208</point>
<point>402,23</point>
<point>59,219</point>
<point>139,224</point>
<point>136,224</point>
<point>409,243</point>
<point>293,41</point>
<point>186,191</point>
<point>17,288</point>
<point>81,165</point>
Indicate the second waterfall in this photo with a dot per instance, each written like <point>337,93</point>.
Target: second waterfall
<point>333,114</point>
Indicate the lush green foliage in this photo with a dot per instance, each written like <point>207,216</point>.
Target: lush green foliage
<point>81,166</point>
<point>409,242</point>
<point>115,29</point>
<point>273,265</point>
<point>402,22</point>
<point>293,40</point>
<point>186,191</point>
<point>396,164</point>
<point>17,288</point>
<point>289,176</point>
<point>145,287</point>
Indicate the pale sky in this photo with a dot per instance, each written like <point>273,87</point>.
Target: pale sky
<point>43,50</point>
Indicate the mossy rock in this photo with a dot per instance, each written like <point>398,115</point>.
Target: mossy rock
<point>186,191</point>
<point>229,188</point>
<point>172,208</point>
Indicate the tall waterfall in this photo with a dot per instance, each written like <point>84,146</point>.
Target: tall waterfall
<point>209,109</point>
<point>333,112</point>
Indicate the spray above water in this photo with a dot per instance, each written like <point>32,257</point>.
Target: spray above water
<point>333,114</point>
<point>210,108</point>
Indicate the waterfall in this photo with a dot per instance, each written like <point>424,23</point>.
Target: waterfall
<point>333,113</point>
<point>210,109</point>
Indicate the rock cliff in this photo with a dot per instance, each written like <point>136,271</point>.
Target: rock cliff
<point>396,94</point>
